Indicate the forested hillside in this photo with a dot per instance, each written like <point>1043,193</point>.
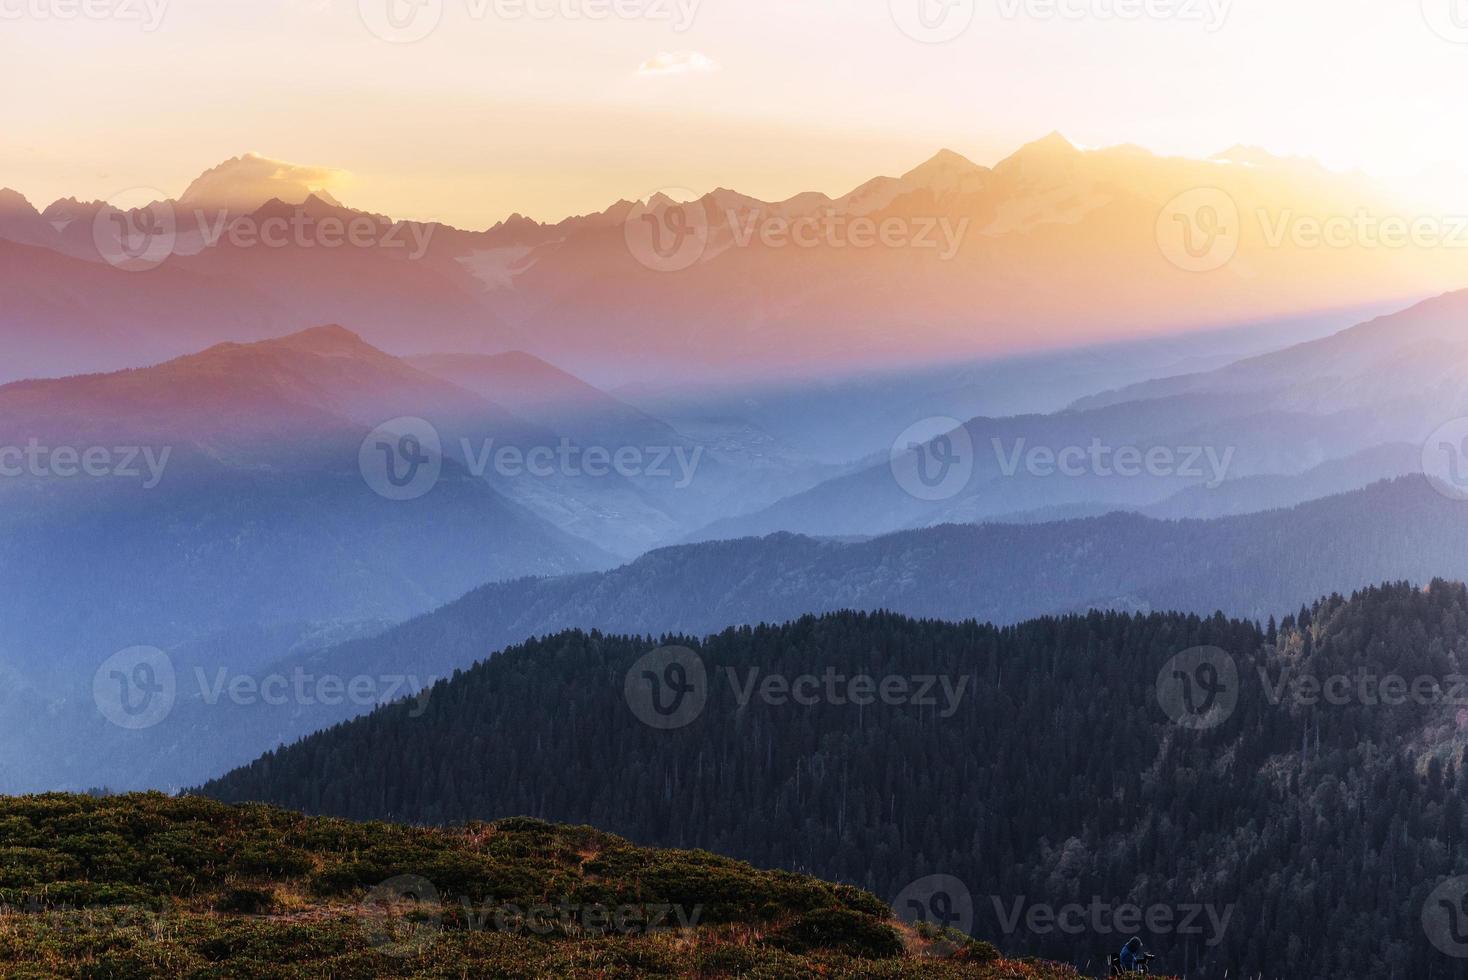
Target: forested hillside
<point>1051,766</point>
<point>1250,566</point>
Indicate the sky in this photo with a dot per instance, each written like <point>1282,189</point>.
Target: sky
<point>469,110</point>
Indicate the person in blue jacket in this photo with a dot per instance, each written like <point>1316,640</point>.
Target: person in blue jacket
<point>1132,957</point>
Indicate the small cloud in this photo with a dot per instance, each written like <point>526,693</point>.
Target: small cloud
<point>677,63</point>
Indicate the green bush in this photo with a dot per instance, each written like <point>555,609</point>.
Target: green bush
<point>841,930</point>
<point>245,900</point>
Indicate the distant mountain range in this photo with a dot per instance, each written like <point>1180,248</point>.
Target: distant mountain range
<point>1052,247</point>
<point>234,506</point>
<point>1271,420</point>
<point>266,545</point>
<point>268,532</point>
<point>244,464</point>
<point>227,483</point>
<point>1252,566</point>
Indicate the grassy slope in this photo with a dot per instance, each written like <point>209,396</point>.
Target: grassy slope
<point>147,885</point>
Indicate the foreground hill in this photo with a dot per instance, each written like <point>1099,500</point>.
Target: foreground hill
<point>1076,761</point>
<point>147,886</point>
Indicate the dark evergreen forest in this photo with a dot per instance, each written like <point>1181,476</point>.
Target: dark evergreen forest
<point>1320,825</point>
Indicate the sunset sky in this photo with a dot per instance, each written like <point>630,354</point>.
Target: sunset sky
<point>493,112</point>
